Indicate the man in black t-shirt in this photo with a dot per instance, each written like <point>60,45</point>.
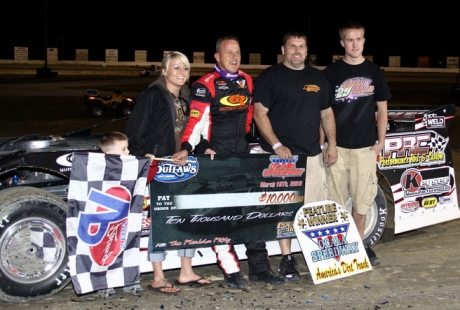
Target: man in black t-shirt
<point>291,100</point>
<point>358,85</point>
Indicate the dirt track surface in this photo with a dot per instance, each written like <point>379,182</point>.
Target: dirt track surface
<point>419,270</point>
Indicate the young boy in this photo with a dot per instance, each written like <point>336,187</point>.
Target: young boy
<point>115,142</point>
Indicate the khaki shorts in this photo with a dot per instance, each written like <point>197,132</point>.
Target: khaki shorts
<point>354,175</point>
<point>315,178</point>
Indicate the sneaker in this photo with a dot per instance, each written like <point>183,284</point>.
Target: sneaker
<point>108,293</point>
<point>374,260</point>
<point>287,268</point>
<point>268,276</point>
<point>135,290</point>
<point>236,280</point>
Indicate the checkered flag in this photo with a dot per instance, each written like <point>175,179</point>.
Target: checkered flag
<point>106,195</point>
<point>424,120</point>
<point>438,144</point>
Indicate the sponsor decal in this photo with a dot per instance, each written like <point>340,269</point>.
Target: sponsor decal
<point>411,206</point>
<point>234,100</point>
<point>424,182</point>
<point>234,103</point>
<point>433,121</point>
<point>241,84</point>
<point>284,168</point>
<point>206,80</point>
<point>222,85</point>
<point>311,88</point>
<point>103,224</point>
<point>445,199</point>
<point>285,230</point>
<point>169,172</point>
<point>353,89</point>
<point>413,150</point>
<point>65,160</point>
<point>200,92</point>
<point>428,203</point>
<point>194,113</point>
<point>240,107</point>
<point>146,220</point>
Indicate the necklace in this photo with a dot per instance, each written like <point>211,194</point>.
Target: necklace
<point>181,108</point>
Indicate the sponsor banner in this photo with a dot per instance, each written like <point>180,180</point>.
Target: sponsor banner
<point>423,62</point>
<point>111,55</point>
<point>198,57</point>
<point>21,53</point>
<point>452,62</point>
<point>81,54</point>
<point>231,199</point>
<point>394,61</point>
<point>140,55</point>
<point>254,59</point>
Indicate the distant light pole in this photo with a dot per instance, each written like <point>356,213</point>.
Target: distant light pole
<point>45,72</point>
<point>46,33</point>
<point>62,43</point>
<point>309,32</point>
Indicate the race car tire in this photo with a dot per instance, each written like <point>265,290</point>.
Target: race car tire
<point>33,244</point>
<point>376,219</point>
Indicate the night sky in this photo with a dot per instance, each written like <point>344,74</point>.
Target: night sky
<point>391,29</point>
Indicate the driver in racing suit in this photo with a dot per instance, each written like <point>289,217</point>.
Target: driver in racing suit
<point>220,117</point>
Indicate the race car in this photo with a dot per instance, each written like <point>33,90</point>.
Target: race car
<point>415,172</point>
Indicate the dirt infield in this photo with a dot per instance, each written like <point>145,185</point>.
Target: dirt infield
<point>419,270</point>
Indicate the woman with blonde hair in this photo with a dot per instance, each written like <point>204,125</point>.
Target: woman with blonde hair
<point>155,128</point>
